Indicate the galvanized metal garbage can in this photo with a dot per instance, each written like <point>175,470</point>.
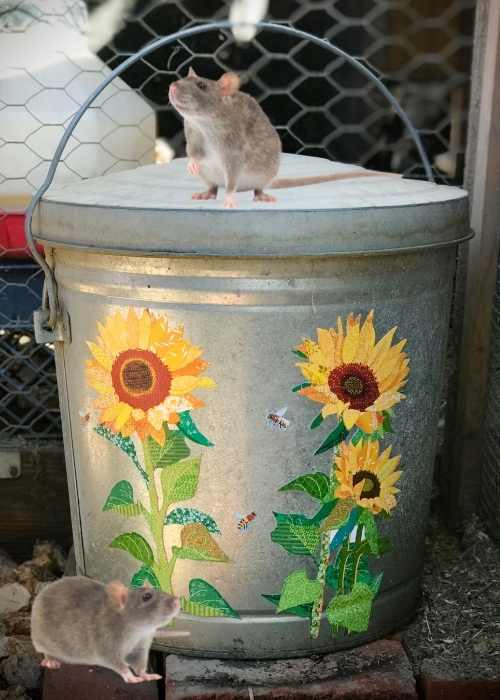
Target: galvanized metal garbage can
<point>250,398</point>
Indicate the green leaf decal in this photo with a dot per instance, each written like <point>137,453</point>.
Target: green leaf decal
<point>180,480</point>
<point>187,426</point>
<point>298,589</point>
<point>334,438</point>
<point>324,512</point>
<point>136,545</point>
<point>192,608</point>
<point>296,533</point>
<point>317,421</point>
<point>122,494</point>
<point>198,544</point>
<point>203,593</point>
<point>352,610</point>
<point>174,449</point>
<point>299,610</point>
<point>145,573</point>
<point>316,485</point>
<point>387,425</point>
<point>125,444</point>
<point>353,569</point>
<point>367,520</point>
<point>337,517</point>
<point>300,354</point>
<point>184,516</point>
<point>298,387</point>
<point>121,500</point>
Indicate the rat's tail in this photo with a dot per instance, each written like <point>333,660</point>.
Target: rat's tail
<point>281,183</point>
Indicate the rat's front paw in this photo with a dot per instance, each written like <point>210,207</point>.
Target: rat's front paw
<point>193,167</point>
<point>150,677</point>
<point>230,202</point>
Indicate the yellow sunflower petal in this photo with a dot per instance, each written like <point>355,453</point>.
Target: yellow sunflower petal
<point>183,385</point>
<point>132,328</point>
<point>329,410</point>
<point>381,347</point>
<point>339,342</point>
<point>326,342</point>
<point>314,394</point>
<point>366,338</point>
<point>350,416</point>
<point>386,401</point>
<point>158,331</point>
<point>144,330</point>
<point>116,333</point>
<point>206,383</point>
<point>351,340</point>
<point>178,354</point>
<point>369,422</point>
<point>100,355</point>
<point>313,373</point>
<point>123,414</point>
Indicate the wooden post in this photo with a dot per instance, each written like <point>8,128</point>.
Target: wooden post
<point>477,271</point>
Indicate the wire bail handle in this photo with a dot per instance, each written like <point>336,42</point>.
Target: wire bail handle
<point>49,317</point>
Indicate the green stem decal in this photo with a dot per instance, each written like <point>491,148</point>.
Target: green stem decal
<point>346,370</point>
<point>144,369</point>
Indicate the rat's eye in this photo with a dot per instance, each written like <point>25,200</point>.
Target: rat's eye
<point>201,85</point>
<point>147,596</point>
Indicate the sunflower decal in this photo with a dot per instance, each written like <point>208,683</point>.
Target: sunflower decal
<point>145,373</point>
<point>358,381</point>
<point>366,476</point>
<point>146,376</point>
<point>353,376</point>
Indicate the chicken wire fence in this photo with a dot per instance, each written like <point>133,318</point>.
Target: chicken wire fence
<point>421,49</point>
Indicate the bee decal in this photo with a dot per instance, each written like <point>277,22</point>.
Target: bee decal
<point>84,417</point>
<point>245,521</point>
<point>276,419</point>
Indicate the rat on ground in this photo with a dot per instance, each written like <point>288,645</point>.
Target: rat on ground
<point>230,141</point>
<point>77,620</point>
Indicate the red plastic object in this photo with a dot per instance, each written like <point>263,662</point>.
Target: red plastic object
<point>12,239</point>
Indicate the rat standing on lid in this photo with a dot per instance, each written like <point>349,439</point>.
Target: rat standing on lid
<point>230,141</point>
<point>80,621</point>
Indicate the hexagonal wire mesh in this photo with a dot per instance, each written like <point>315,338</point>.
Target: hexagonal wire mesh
<point>320,105</point>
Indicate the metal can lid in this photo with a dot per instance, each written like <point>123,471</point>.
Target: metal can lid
<point>149,210</point>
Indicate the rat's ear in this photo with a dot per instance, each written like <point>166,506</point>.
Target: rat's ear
<point>147,583</point>
<point>191,73</point>
<point>118,593</point>
<point>229,83</point>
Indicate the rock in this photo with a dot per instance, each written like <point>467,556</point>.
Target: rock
<point>3,641</point>
<point>13,597</point>
<point>16,692</point>
<point>46,565</point>
<point>18,623</point>
<point>7,568</point>
<point>22,669</point>
<point>20,645</point>
<point>48,551</point>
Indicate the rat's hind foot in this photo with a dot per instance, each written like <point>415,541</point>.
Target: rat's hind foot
<point>129,677</point>
<point>208,194</point>
<point>193,167</point>
<point>150,677</point>
<point>50,662</point>
<point>260,196</point>
<point>230,202</point>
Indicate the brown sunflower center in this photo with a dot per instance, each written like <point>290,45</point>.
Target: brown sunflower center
<point>137,376</point>
<point>140,378</point>
<point>371,485</point>
<point>354,383</point>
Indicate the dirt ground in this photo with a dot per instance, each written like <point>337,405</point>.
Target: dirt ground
<point>457,632</point>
